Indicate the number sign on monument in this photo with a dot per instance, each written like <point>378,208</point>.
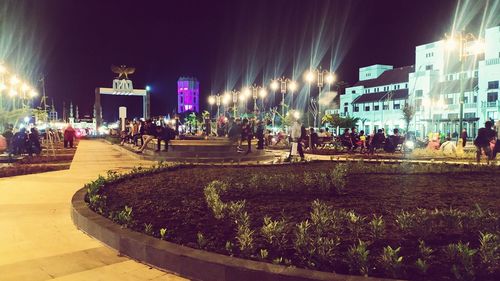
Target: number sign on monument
<point>122,86</point>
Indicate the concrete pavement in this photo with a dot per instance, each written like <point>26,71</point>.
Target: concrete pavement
<point>38,240</point>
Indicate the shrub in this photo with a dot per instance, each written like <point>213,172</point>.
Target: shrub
<point>355,223</point>
<point>124,217</point>
<point>391,261</point>
<point>321,217</point>
<point>212,198</point>
<point>303,240</point>
<point>202,241</point>
<point>338,177</point>
<point>489,251</point>
<point>357,257</point>
<point>163,233</point>
<point>273,232</point>
<point>462,260</point>
<point>148,229</point>
<point>377,227</point>
<point>405,221</point>
<point>244,234</point>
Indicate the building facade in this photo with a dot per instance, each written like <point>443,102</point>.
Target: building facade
<point>188,95</point>
<point>433,86</point>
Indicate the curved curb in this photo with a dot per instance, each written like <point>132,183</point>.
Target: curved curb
<point>188,262</point>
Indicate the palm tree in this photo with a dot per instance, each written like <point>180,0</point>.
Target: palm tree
<point>342,122</point>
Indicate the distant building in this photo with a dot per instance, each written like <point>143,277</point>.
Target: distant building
<point>188,94</point>
<point>432,87</point>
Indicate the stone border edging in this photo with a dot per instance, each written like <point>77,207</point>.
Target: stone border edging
<point>188,262</point>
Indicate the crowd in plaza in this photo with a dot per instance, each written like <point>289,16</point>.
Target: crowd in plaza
<point>145,131</point>
<point>31,141</point>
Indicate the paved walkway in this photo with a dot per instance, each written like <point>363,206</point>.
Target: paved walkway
<point>38,240</point>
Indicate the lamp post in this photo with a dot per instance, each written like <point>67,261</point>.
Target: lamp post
<point>225,101</point>
<point>463,39</point>
<point>321,77</point>
<point>235,94</point>
<point>262,95</point>
<point>256,92</point>
<point>283,83</point>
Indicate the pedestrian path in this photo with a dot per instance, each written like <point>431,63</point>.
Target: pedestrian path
<point>38,240</point>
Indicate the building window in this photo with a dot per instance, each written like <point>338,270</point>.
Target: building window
<point>449,99</point>
<point>345,109</point>
<point>396,105</point>
<point>356,108</point>
<point>385,106</point>
<point>492,85</point>
<point>492,115</point>
<point>406,85</point>
<point>367,108</point>
<point>428,67</point>
<point>376,107</point>
<point>353,91</point>
<point>469,115</point>
<point>492,97</point>
<point>419,93</point>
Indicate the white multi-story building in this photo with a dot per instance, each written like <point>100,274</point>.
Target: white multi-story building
<point>433,86</point>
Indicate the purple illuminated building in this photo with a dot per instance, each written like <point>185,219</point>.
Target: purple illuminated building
<point>188,94</point>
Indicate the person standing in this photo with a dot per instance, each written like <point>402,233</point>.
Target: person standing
<point>496,149</point>
<point>260,134</point>
<point>297,133</point>
<point>463,137</point>
<point>69,136</point>
<point>482,142</point>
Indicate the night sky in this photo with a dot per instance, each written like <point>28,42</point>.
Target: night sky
<point>224,43</point>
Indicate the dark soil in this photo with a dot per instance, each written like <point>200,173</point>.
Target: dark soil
<point>174,200</point>
<point>45,162</point>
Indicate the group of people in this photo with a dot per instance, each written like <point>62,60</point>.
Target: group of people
<point>23,141</point>
<point>352,140</point>
<point>243,131</point>
<point>146,131</point>
<point>487,141</point>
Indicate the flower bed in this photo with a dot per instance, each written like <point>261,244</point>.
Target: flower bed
<point>403,221</point>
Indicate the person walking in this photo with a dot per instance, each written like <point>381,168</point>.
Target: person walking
<point>482,142</point>
<point>463,137</point>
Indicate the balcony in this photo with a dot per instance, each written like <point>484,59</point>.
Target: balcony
<point>493,61</point>
<point>490,104</point>
<point>470,105</point>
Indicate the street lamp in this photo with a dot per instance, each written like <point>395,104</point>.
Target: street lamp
<point>262,95</point>
<point>255,91</point>
<point>284,83</point>
<point>226,98</point>
<point>462,40</point>
<point>320,76</point>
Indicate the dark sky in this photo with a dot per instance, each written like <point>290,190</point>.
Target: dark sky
<point>223,43</point>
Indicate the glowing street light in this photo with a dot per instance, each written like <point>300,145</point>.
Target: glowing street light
<point>283,83</point>
<point>14,80</point>
<point>211,100</point>
<point>463,40</point>
<point>320,76</point>
<point>33,94</point>
<point>3,69</point>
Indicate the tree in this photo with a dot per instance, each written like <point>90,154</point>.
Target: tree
<point>342,122</point>
<point>408,112</point>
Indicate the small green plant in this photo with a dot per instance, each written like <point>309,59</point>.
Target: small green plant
<point>202,241</point>
<point>326,248</point>
<point>229,247</point>
<point>273,232</point>
<point>489,251</point>
<point>148,229</point>
<point>212,198</point>
<point>338,177</point>
<point>321,217</point>
<point>357,257</point>
<point>425,255</point>
<point>391,261</point>
<point>263,254</point>
<point>303,240</point>
<point>163,233</point>
<point>377,227</point>
<point>405,221</point>
<point>355,223</point>
<point>124,217</point>
<point>244,234</point>
<point>234,208</point>
<point>462,260</point>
